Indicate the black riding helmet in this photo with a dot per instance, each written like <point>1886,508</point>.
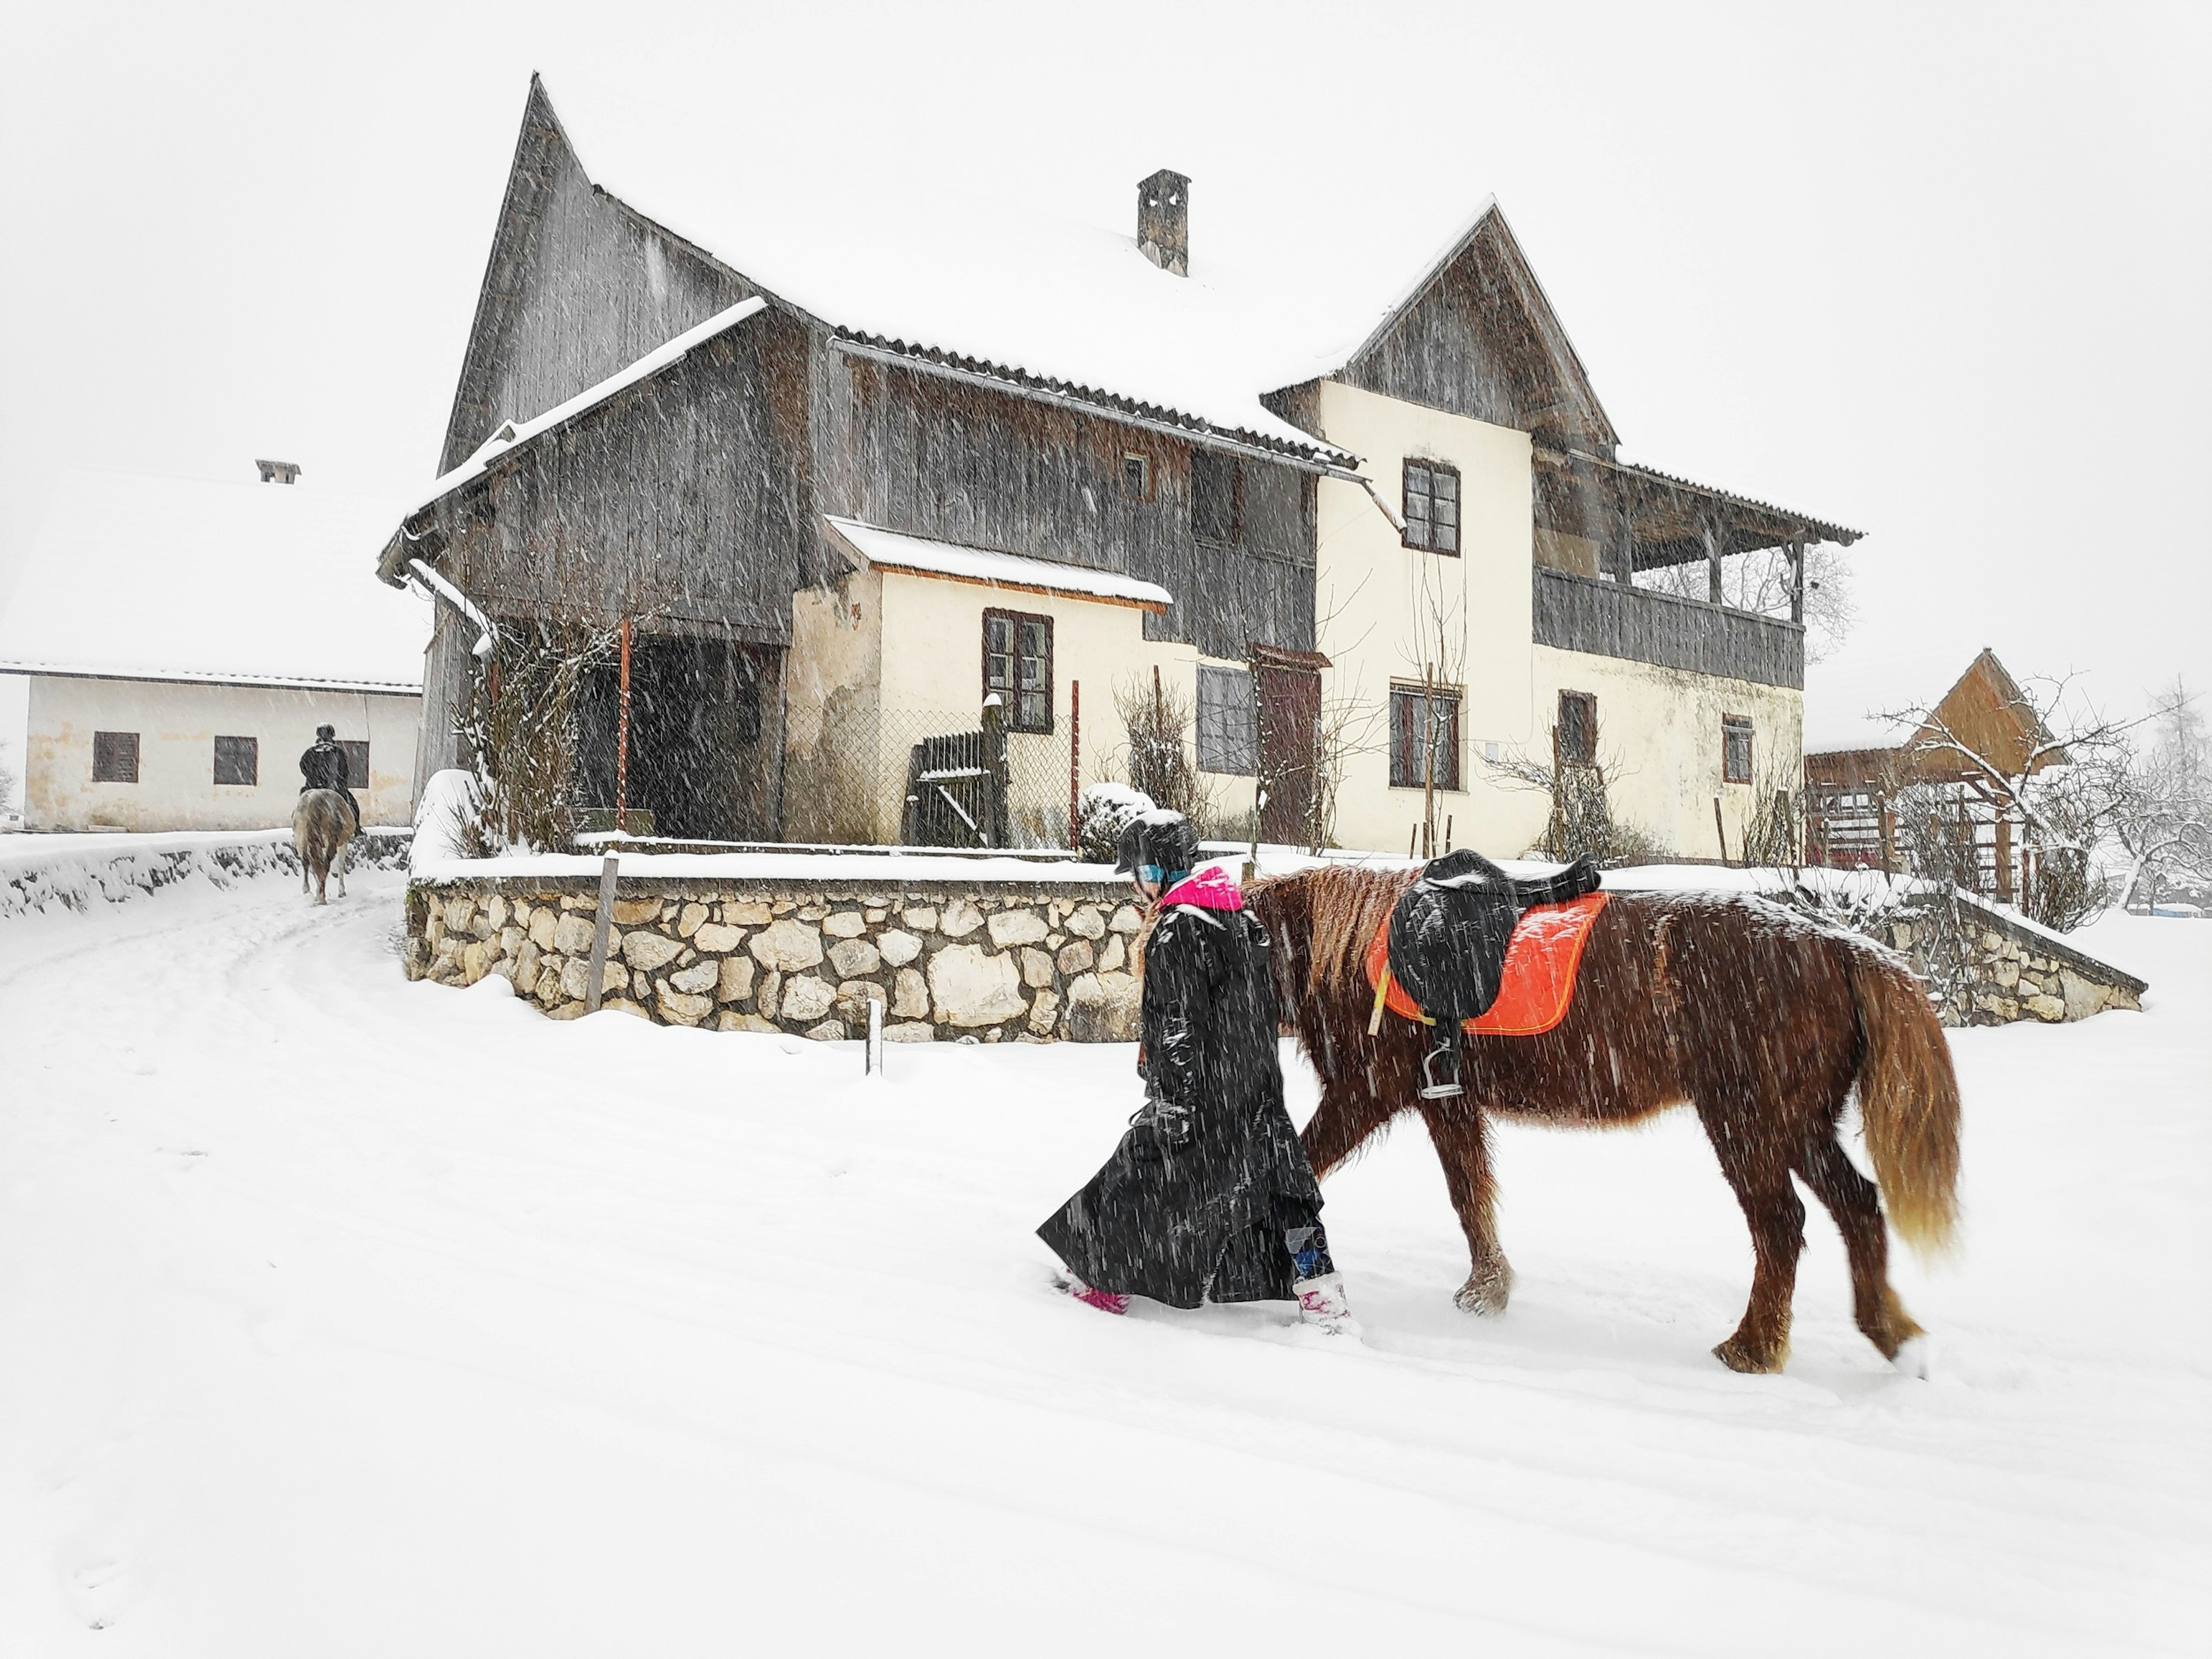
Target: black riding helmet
<point>327,732</point>
<point>1161,839</point>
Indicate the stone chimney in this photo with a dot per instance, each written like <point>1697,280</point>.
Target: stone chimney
<point>1164,221</point>
<point>279,471</point>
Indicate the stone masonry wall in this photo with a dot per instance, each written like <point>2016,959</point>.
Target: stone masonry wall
<point>989,964</point>
<point>2000,971</point>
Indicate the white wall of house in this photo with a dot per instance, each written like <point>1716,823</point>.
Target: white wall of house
<point>1659,740</point>
<point>1378,601</point>
<point>177,725</point>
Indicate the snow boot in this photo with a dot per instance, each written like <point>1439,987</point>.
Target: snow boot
<point>1321,1304</point>
<point>1112,1302</point>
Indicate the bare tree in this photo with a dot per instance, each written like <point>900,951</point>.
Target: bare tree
<point>2165,822</point>
<point>2067,783</point>
<point>1581,823</point>
<point>1439,659</point>
<point>520,725</point>
<point>1760,582</point>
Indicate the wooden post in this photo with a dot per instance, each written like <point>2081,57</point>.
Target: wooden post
<point>1712,561</point>
<point>1074,764</point>
<point>1720,828</point>
<point>1797,577</point>
<point>602,925</point>
<point>622,738</point>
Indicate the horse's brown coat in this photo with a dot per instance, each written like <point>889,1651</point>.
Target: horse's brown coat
<point>322,826</point>
<point>1755,1017</point>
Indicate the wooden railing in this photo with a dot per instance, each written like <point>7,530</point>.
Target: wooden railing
<point>1575,613</point>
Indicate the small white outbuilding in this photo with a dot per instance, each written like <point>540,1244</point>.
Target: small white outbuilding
<point>185,637</point>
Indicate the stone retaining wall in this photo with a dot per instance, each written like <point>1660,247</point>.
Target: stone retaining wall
<point>2008,971</point>
<point>989,962</point>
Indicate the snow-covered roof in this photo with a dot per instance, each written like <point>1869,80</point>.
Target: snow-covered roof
<point>138,577</point>
<point>889,549</point>
<point>514,434</point>
<point>1066,305</point>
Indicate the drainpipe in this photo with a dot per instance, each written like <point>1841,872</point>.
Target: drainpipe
<point>487,636</point>
<point>1376,495</point>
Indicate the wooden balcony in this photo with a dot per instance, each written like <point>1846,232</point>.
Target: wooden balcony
<point>1605,619</point>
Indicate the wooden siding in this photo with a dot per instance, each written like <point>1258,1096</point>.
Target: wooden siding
<point>1479,340</point>
<point>1605,619</point>
<point>577,289</point>
<point>915,452</point>
<point>680,501</point>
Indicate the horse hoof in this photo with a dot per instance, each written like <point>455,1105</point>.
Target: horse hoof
<point>1485,1294</point>
<point>1916,1356</point>
<point>1740,1356</point>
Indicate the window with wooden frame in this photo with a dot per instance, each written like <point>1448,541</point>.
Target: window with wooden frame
<point>1576,735</point>
<point>1735,749</point>
<point>1228,724</point>
<point>1423,733</point>
<point>1017,667</point>
<point>1136,476</point>
<point>1433,507</point>
<point>1217,496</point>
<point>356,754</point>
<point>238,761</point>
<point>115,757</point>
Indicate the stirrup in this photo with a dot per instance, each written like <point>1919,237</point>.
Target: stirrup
<point>1445,1048</point>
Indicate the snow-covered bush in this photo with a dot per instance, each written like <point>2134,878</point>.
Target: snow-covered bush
<point>1103,812</point>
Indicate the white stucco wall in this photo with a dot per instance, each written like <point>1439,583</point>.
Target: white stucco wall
<point>177,726</point>
<point>1659,739</point>
<point>1377,600</point>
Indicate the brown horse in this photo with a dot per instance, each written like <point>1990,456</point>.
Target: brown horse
<point>322,828</point>
<point>1759,1018</point>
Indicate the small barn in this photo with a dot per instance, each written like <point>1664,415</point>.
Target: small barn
<point>1981,733</point>
<point>185,637</point>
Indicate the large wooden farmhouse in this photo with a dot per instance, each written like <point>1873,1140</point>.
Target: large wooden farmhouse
<point>849,475</point>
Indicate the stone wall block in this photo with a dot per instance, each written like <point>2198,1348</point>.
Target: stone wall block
<point>1102,1008</point>
<point>854,958</point>
<point>697,980</point>
<point>814,912</point>
<point>681,1007</point>
<point>959,918</point>
<point>807,997</point>
<point>734,982</point>
<point>728,1020</point>
<point>1043,1012</point>
<point>718,938</point>
<point>787,946</point>
<point>1115,953</point>
<point>922,919</point>
<point>496,910</point>
<point>770,995</point>
<point>913,1031</point>
<point>1036,969</point>
<point>1077,957</point>
<point>1016,927</point>
<point>909,993</point>
<point>634,912</point>
<point>572,937</point>
<point>460,910</point>
<point>845,924</point>
<point>829,1030</point>
<point>543,922</point>
<point>648,951</point>
<point>1126,920</point>
<point>1086,922</point>
<point>971,987</point>
<point>746,912</point>
<point>690,919</point>
<point>898,948</point>
<point>2051,1010</point>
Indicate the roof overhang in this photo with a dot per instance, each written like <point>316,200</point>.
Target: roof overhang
<point>1671,513</point>
<point>191,677</point>
<point>867,547</point>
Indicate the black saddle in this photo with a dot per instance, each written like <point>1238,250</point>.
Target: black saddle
<point>1448,940</point>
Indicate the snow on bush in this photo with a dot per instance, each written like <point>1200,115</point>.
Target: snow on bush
<point>1102,812</point>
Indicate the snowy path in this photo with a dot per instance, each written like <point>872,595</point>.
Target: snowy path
<point>340,1315</point>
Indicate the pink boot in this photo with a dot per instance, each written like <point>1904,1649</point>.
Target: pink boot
<point>1112,1302</point>
<point>1321,1304</point>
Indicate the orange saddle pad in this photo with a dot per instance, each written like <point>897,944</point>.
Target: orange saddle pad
<point>1538,985</point>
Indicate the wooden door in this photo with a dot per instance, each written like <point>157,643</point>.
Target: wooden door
<point>1290,710</point>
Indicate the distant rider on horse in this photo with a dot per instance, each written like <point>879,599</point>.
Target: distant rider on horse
<point>324,767</point>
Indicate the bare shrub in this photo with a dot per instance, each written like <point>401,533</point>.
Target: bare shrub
<point>1159,720</point>
<point>1582,822</point>
<point>520,727</point>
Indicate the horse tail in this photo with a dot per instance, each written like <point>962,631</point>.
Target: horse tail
<point>1908,1101</point>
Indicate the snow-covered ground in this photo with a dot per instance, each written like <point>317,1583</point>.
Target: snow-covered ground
<point>340,1316</point>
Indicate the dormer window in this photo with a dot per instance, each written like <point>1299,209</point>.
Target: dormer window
<point>1433,507</point>
<point>1136,478</point>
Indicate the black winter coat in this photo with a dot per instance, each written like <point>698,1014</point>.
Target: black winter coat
<point>1204,1218</point>
<point>324,767</point>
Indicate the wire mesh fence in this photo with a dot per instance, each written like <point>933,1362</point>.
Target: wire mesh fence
<point>950,779</point>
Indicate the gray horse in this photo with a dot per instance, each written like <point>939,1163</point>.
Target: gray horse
<point>322,826</point>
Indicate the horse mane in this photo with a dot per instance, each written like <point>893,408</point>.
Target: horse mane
<point>1342,908</point>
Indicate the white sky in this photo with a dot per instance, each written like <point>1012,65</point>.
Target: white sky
<point>1938,272</point>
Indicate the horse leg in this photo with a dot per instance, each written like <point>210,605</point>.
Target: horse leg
<point>1760,1179</point>
<point>340,862</point>
<point>1344,1119</point>
<point>1461,1135</point>
<point>1850,1198</point>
